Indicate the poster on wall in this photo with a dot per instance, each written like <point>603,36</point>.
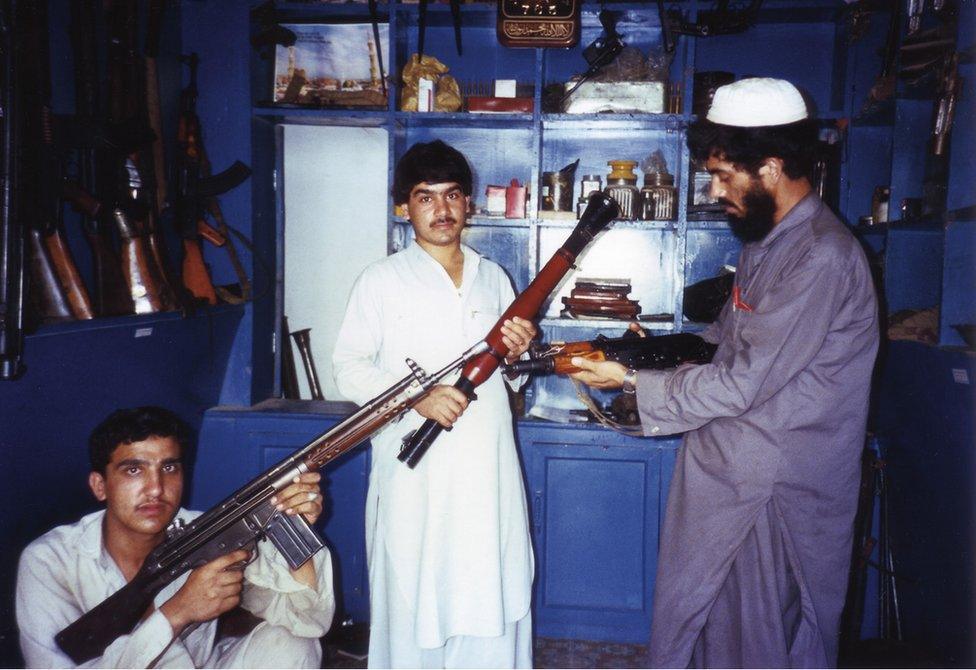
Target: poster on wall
<point>332,65</point>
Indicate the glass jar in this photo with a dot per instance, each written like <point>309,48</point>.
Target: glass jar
<point>622,187</point>
<point>590,183</point>
<point>658,198</point>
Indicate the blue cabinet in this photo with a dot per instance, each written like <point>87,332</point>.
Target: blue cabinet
<point>595,500</point>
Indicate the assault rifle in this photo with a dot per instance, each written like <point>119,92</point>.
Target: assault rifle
<point>632,351</point>
<point>197,189</point>
<point>134,205</point>
<point>247,516</point>
<point>56,289</point>
<point>110,291</point>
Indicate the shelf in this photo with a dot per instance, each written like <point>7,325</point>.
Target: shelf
<point>603,324</point>
<point>668,122</point>
<point>134,321</point>
<point>616,224</point>
<point>321,116</point>
<point>286,12</point>
<point>468,119</point>
<point>708,224</point>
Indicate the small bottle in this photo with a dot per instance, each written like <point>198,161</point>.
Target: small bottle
<point>622,187</point>
<point>658,199</point>
<point>589,184</point>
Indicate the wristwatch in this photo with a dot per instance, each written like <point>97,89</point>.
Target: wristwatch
<point>630,381</point>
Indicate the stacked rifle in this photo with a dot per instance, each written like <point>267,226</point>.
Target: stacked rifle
<point>106,160</point>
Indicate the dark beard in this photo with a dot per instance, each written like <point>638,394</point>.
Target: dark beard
<point>760,209</point>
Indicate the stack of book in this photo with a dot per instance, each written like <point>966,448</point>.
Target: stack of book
<point>600,298</point>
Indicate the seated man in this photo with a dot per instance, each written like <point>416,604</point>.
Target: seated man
<point>137,460</point>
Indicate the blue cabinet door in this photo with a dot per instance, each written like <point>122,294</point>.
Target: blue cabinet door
<point>236,445</point>
<point>595,502</point>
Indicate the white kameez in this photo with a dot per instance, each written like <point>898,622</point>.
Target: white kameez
<point>67,571</point>
<point>448,542</point>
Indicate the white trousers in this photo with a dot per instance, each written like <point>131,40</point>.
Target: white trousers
<point>267,646</point>
<point>392,643</point>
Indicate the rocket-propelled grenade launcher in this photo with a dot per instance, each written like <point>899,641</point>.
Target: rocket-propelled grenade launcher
<point>600,211</point>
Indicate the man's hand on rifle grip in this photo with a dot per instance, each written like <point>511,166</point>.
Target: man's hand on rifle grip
<point>444,404</point>
<point>210,590</point>
<point>517,335</point>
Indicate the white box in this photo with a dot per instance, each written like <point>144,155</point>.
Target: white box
<point>504,88</point>
<point>593,97</point>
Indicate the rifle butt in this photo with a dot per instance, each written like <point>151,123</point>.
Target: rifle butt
<point>111,291</point>
<point>196,279</point>
<point>46,295</point>
<point>117,615</point>
<point>137,267</point>
<point>67,273</point>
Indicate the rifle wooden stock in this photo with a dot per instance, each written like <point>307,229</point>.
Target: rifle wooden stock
<point>111,289</point>
<point>46,293</point>
<point>600,210</point>
<point>196,279</point>
<point>67,274</point>
<point>243,517</point>
<point>140,273</point>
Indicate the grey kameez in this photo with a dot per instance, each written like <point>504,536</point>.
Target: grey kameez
<point>756,540</point>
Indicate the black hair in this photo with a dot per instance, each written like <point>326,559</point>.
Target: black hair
<point>125,426</point>
<point>432,162</point>
<point>746,148</point>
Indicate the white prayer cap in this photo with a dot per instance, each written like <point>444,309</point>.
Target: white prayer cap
<point>757,102</point>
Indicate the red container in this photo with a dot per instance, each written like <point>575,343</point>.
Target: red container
<point>515,201</point>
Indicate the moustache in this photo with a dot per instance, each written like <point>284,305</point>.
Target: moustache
<point>447,219</point>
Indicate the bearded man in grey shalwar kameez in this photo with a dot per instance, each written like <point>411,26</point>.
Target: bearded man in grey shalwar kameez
<point>757,535</point>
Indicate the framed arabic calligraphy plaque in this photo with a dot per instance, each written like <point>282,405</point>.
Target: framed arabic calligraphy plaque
<point>538,23</point>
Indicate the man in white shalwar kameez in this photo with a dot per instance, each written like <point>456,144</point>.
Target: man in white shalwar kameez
<point>448,547</point>
<point>137,470</point>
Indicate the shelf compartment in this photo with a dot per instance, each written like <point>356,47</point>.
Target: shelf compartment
<point>646,257</point>
<point>321,116</point>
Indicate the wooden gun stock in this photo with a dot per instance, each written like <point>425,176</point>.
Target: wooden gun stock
<point>115,616</point>
<point>146,286</point>
<point>110,287</point>
<point>196,278</point>
<point>46,295</point>
<point>68,276</point>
